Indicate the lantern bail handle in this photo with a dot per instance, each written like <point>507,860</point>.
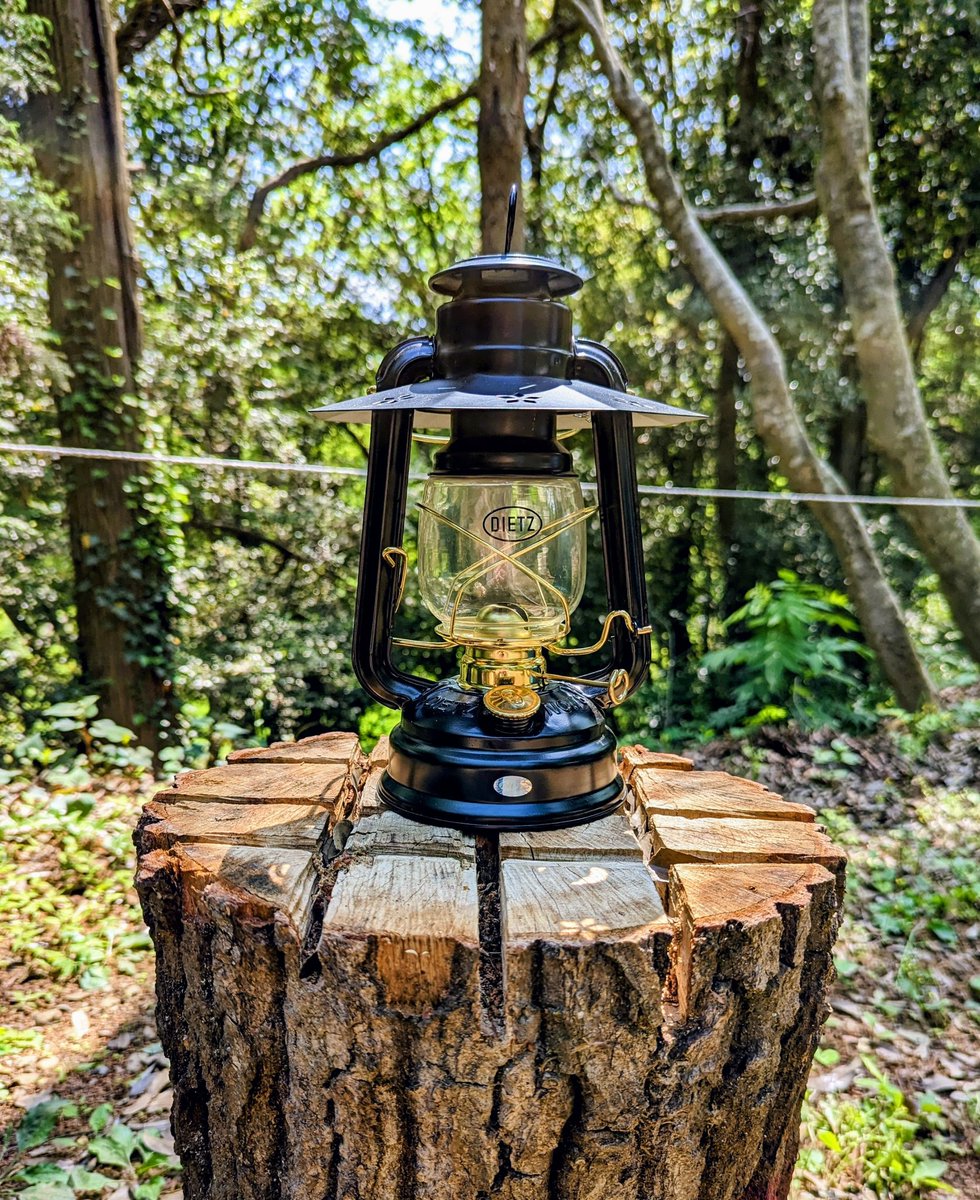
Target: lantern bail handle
<point>511,217</point>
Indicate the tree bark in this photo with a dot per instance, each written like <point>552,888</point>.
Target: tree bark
<point>360,1007</point>
<point>774,414</point>
<point>742,146</point>
<point>502,90</point>
<point>121,597</point>
<point>726,474</point>
<point>897,425</point>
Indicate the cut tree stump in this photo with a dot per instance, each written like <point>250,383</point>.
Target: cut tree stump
<point>359,1007</point>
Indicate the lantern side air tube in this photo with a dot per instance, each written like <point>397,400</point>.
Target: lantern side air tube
<point>378,585</point>
<point>619,516</point>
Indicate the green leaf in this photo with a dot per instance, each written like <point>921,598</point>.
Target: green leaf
<point>114,1149</point>
<point>43,1173</point>
<point>942,930</point>
<point>100,1117</point>
<point>89,1182</point>
<point>47,1191</point>
<point>82,709</point>
<point>39,1122</point>
<point>150,1189</point>
<point>94,978</point>
<point>227,731</point>
<point>108,731</point>
<point>66,724</point>
<point>830,1140</point>
<point>827,1056</point>
<point>152,1160</point>
<point>929,1170</point>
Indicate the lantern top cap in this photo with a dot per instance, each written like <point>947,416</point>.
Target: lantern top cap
<point>507,275</point>
<point>523,276</point>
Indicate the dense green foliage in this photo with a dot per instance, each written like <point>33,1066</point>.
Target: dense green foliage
<point>239,344</point>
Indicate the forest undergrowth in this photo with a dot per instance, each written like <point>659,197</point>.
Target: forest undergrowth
<point>893,1108</point>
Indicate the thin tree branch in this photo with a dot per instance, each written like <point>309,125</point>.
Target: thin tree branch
<point>362,446</point>
<point>534,134</point>
<point>308,166</point>
<point>620,197</point>
<point>734,214</point>
<point>248,537</point>
<point>931,295</point>
<point>146,20</point>
<point>723,214</point>
<point>177,62</point>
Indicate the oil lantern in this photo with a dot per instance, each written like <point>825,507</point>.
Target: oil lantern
<point>509,742</point>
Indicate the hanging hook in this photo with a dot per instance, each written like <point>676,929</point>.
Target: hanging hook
<point>511,217</point>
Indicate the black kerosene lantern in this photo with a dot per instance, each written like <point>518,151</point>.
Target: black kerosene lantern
<point>508,743</point>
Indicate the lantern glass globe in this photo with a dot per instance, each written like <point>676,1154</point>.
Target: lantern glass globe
<point>501,560</point>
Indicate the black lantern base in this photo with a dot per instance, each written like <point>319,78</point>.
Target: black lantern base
<point>453,762</point>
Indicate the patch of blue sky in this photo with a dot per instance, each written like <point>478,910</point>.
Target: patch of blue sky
<point>458,24</point>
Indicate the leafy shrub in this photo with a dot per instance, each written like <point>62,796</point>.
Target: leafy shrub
<point>881,1143</point>
<point>136,1163</point>
<point>796,658</point>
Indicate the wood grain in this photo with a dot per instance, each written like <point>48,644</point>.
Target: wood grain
<point>416,910</point>
<point>343,748</point>
<point>712,794</point>
<point>294,826</point>
<point>578,901</point>
<point>609,838</point>
<point>368,802</point>
<point>282,878</point>
<point>384,832</point>
<point>709,839</point>
<point>633,758</point>
<point>380,754</point>
<point>765,907</point>
<point>262,783</point>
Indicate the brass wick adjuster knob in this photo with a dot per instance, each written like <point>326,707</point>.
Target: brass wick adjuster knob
<point>512,702</point>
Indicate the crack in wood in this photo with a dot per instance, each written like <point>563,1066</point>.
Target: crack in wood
<point>490,924</point>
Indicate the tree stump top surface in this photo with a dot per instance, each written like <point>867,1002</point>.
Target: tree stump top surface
<point>296,831</point>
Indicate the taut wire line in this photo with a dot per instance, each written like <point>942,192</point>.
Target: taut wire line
<point>645,489</point>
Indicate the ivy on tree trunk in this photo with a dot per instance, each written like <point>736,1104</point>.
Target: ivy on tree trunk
<point>119,555</point>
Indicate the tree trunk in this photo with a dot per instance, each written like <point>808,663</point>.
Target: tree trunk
<point>742,146</point>
<point>774,413</point>
<point>726,473</point>
<point>359,1007</point>
<point>848,449</point>
<point>897,425</point>
<point>121,597</point>
<point>500,126</point>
